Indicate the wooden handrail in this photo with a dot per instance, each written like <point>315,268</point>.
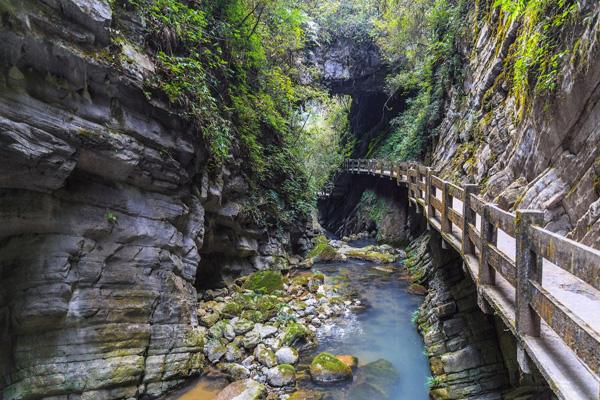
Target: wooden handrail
<point>479,244</point>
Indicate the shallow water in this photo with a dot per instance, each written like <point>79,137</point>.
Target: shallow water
<point>383,330</point>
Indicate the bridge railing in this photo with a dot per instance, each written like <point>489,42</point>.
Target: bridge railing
<point>511,245</point>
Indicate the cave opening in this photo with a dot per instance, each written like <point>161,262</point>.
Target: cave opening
<point>209,274</point>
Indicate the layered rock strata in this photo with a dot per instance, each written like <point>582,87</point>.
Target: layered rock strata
<point>107,210</point>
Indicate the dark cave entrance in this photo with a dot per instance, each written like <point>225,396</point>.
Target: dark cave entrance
<point>209,272</point>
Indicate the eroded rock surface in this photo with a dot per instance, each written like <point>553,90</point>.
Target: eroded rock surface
<point>110,219</point>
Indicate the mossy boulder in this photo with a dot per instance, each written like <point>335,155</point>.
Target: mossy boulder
<point>232,309</point>
<point>268,305</point>
<point>367,254</point>
<point>217,331</point>
<point>326,368</point>
<point>254,315</point>
<point>281,375</point>
<point>241,325</point>
<point>235,371</point>
<point>380,373</point>
<point>265,356</point>
<point>264,281</point>
<point>214,350</point>
<point>208,319</point>
<point>233,353</point>
<point>298,336</point>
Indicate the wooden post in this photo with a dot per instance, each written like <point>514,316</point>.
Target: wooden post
<point>417,179</point>
<point>529,268</point>
<point>446,203</point>
<point>430,213</point>
<point>487,275</point>
<point>468,218</point>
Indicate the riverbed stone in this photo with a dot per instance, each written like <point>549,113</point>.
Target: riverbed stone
<point>247,389</point>
<point>287,355</point>
<point>236,371</point>
<point>250,340</point>
<point>326,368</point>
<point>281,375</point>
<point>265,331</point>
<point>241,325</point>
<point>265,356</point>
<point>214,350</point>
<point>233,353</point>
<point>380,372</point>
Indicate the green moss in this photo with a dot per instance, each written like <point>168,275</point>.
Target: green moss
<point>365,254</point>
<point>232,309</point>
<point>295,333</point>
<point>264,281</point>
<point>322,249</point>
<point>287,369</point>
<point>327,362</point>
<point>254,315</point>
<point>268,305</point>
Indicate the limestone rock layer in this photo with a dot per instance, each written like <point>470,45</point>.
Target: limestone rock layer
<point>104,202</point>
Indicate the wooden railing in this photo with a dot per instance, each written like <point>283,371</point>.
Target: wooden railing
<point>493,243</point>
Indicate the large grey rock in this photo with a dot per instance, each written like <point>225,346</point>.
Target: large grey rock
<point>243,390</point>
<point>281,375</point>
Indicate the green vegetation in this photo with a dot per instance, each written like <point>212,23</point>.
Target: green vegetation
<point>233,68</point>
<point>421,36</point>
<point>322,249</point>
<point>540,46</point>
<point>329,363</point>
<point>111,218</point>
<point>264,281</point>
<point>433,381</point>
<point>414,318</point>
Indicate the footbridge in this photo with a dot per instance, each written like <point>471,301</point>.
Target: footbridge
<point>545,287</point>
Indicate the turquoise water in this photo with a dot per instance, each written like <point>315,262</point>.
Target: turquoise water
<point>382,331</point>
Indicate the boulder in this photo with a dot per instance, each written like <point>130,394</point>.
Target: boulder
<point>287,355</point>
<point>247,389</point>
<point>233,353</point>
<point>265,356</point>
<point>264,281</point>
<point>281,375</point>
<point>326,368</point>
<point>236,371</point>
<point>241,325</point>
<point>214,350</point>
<point>250,340</point>
<point>380,373</point>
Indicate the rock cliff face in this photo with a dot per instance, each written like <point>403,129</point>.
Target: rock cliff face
<point>110,218</point>
<point>545,156</point>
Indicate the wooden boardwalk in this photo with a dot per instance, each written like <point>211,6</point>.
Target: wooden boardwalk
<point>545,287</point>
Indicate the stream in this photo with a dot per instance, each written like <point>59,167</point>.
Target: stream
<point>382,330</point>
